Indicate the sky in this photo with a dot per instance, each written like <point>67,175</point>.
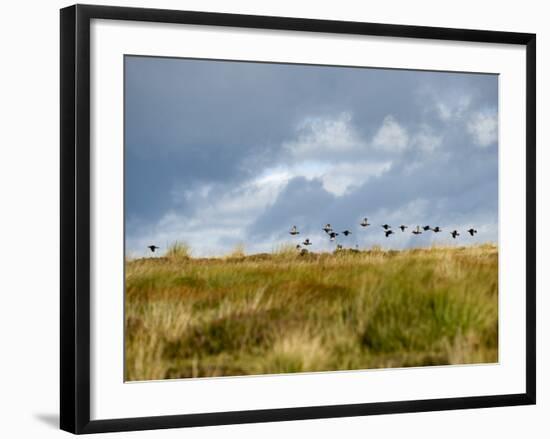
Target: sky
<point>225,153</point>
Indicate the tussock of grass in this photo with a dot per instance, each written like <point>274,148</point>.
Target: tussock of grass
<point>286,312</point>
<point>237,253</point>
<point>285,251</point>
<point>178,251</point>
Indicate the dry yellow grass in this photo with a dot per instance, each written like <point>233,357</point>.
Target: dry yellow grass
<point>285,312</point>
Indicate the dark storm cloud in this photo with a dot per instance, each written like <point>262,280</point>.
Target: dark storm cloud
<point>303,202</point>
<point>254,148</point>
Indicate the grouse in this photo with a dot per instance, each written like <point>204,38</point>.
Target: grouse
<point>153,248</point>
<point>327,228</point>
<point>436,229</point>
<point>417,231</point>
<point>386,227</point>
<point>454,234</point>
<point>388,233</point>
<point>402,227</point>
<point>472,231</point>
<point>307,242</point>
<point>294,231</point>
<point>346,233</point>
<point>365,222</point>
<point>333,235</point>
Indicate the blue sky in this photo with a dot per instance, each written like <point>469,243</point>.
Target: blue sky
<point>221,153</point>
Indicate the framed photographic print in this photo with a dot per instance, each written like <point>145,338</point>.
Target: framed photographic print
<point>274,218</point>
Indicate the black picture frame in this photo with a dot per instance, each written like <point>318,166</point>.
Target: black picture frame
<point>75,217</point>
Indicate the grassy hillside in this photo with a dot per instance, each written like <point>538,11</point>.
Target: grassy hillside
<point>286,312</point>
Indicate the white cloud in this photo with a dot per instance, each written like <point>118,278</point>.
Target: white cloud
<point>391,137</point>
<point>325,135</point>
<point>336,139</point>
<point>426,140</point>
<point>331,149</point>
<point>342,178</point>
<point>337,178</point>
<point>450,108</point>
<point>444,111</point>
<point>308,169</point>
<point>220,217</point>
<point>483,127</point>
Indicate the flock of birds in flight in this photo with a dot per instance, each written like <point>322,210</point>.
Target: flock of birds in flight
<point>388,231</point>
<point>365,223</point>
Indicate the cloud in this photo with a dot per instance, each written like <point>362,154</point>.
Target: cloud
<point>453,108</point>
<point>447,104</point>
<point>342,178</point>
<point>483,127</point>
<point>220,216</point>
<point>426,139</point>
<point>328,137</point>
<point>332,150</point>
<point>391,136</point>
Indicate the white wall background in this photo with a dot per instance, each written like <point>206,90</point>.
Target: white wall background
<point>29,206</point>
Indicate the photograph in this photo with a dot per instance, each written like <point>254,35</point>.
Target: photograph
<point>297,218</point>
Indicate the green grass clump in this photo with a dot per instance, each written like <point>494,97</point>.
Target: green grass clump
<point>285,312</point>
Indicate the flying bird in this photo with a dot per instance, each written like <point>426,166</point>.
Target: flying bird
<point>346,233</point>
<point>417,231</point>
<point>333,235</point>
<point>386,227</point>
<point>365,222</point>
<point>388,233</point>
<point>294,231</point>
<point>402,227</point>
<point>436,229</point>
<point>327,228</point>
<point>472,231</point>
<point>454,234</point>
<point>307,242</point>
<point>426,228</point>
<point>153,248</point>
